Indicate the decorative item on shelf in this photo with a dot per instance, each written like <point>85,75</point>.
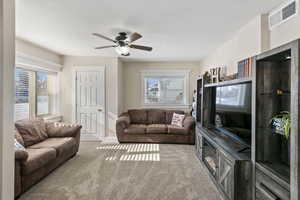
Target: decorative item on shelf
<point>194,104</point>
<point>245,67</point>
<point>219,121</point>
<point>281,124</point>
<point>206,76</point>
<point>230,77</point>
<point>215,75</point>
<point>223,73</point>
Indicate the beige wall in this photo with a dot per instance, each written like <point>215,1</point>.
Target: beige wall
<point>252,39</point>
<point>38,52</point>
<point>120,87</point>
<point>132,78</point>
<point>111,67</point>
<point>245,43</point>
<point>286,32</point>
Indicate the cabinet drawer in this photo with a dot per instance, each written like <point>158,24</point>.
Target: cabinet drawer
<point>268,189</point>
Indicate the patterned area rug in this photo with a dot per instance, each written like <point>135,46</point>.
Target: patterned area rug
<point>128,172</point>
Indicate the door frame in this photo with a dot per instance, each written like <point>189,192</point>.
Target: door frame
<point>74,108</point>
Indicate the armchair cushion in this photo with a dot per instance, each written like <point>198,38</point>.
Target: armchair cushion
<point>32,131</point>
<point>136,129</point>
<point>176,130</point>
<point>157,129</point>
<point>138,116</point>
<point>61,145</point>
<point>58,129</point>
<point>156,116</point>
<point>37,158</point>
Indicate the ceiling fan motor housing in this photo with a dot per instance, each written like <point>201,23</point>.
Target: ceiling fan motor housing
<point>122,36</point>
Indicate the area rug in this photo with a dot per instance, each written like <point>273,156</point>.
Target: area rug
<point>128,172</point>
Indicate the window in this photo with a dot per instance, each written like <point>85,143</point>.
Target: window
<point>42,93</point>
<point>35,94</point>
<point>165,88</point>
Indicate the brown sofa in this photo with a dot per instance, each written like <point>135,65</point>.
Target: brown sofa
<point>48,145</point>
<point>154,126</point>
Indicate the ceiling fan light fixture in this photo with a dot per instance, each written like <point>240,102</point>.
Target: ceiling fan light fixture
<point>124,50</point>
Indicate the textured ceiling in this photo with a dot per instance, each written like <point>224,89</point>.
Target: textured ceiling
<point>176,29</point>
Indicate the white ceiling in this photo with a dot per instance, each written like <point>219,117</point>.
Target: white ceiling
<point>176,29</point>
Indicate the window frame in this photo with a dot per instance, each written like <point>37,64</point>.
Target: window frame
<point>36,64</point>
<point>166,73</point>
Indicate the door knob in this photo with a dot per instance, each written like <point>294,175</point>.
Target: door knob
<point>99,110</point>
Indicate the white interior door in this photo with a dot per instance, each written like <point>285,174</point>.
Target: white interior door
<point>90,102</point>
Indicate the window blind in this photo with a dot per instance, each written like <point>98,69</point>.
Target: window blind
<point>22,94</point>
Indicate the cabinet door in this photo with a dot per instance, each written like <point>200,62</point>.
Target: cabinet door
<point>226,176</point>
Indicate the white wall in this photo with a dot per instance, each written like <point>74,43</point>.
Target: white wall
<point>7,59</point>
<point>132,78</point>
<point>245,43</point>
<point>112,84</point>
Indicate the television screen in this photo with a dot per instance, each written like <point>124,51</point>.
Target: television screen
<point>233,111</point>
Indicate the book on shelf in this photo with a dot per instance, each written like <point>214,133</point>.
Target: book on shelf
<point>245,67</point>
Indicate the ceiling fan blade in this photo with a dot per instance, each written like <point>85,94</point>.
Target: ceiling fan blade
<point>145,48</point>
<point>104,37</point>
<point>134,37</point>
<point>104,47</point>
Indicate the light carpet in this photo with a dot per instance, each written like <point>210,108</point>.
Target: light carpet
<point>128,172</point>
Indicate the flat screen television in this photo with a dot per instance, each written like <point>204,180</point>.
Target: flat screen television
<point>233,111</point>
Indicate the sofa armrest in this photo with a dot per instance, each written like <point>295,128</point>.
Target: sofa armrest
<point>21,155</point>
<point>58,129</point>
<point>189,123</point>
<point>18,179</point>
<point>123,120</point>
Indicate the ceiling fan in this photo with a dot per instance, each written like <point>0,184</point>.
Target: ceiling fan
<point>123,42</point>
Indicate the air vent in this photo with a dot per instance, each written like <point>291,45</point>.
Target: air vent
<point>282,13</point>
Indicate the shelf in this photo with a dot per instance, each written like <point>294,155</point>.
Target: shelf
<point>274,94</point>
<point>280,170</point>
<point>231,82</point>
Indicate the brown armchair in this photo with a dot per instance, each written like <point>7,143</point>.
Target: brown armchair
<point>154,126</point>
<point>48,145</point>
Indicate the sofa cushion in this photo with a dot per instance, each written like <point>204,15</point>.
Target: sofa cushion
<point>32,131</point>
<point>157,129</point>
<point>156,116</point>
<point>37,158</point>
<point>176,130</point>
<point>61,145</point>
<point>136,129</point>
<point>169,115</point>
<point>58,129</point>
<point>138,116</point>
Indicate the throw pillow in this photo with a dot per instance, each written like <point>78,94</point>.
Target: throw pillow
<point>58,129</point>
<point>177,120</point>
<point>19,146</point>
<point>32,131</point>
<point>18,137</point>
<point>20,152</point>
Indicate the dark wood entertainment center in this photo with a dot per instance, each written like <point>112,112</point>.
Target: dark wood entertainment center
<point>269,168</point>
